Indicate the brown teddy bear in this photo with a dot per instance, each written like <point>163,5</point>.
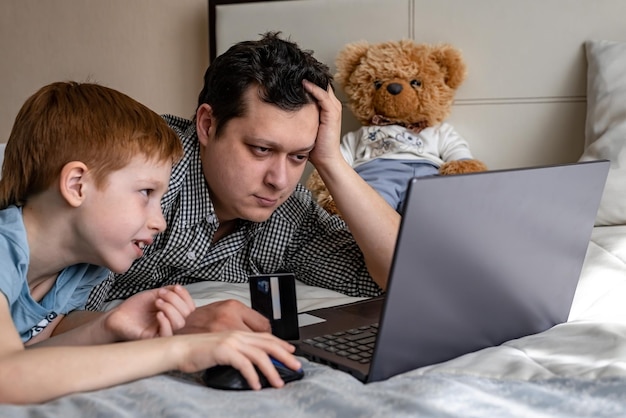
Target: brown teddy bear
<point>401,92</point>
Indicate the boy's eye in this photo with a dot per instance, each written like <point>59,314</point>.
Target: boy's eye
<point>146,192</point>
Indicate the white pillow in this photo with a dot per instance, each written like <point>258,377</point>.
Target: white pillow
<point>605,131</point>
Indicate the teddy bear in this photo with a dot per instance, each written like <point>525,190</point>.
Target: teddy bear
<point>401,92</point>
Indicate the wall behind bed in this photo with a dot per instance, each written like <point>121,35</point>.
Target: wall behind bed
<point>524,102</point>
<point>154,50</point>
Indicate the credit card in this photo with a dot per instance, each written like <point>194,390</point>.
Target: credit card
<point>274,296</point>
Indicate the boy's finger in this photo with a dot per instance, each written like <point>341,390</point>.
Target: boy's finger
<point>185,295</point>
<point>173,298</point>
<point>175,318</point>
<point>165,329</point>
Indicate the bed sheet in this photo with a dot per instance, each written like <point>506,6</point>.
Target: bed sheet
<point>575,369</point>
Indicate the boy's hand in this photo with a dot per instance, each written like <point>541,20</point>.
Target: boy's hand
<point>153,313</point>
<point>242,350</point>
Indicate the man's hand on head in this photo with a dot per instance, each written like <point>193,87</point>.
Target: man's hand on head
<point>329,131</point>
<point>225,315</point>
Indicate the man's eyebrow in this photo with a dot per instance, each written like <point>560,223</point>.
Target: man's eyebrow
<point>307,149</point>
<point>266,143</point>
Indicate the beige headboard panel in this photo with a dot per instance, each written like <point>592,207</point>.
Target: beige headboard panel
<point>524,100</point>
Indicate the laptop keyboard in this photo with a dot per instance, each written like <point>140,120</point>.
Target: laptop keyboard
<point>356,344</point>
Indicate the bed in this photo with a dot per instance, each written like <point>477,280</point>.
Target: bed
<point>546,85</point>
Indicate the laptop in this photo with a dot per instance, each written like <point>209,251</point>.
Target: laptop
<point>480,259</point>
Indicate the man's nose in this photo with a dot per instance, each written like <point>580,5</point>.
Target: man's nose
<point>277,175</point>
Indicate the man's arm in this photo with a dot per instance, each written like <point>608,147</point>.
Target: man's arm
<point>224,316</point>
<point>373,223</point>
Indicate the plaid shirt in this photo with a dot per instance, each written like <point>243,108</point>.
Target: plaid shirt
<point>300,237</point>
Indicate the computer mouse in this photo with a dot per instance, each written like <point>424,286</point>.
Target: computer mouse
<point>229,378</point>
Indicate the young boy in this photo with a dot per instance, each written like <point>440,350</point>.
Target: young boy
<point>84,171</point>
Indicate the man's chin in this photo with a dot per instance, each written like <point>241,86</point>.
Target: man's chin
<point>258,215</point>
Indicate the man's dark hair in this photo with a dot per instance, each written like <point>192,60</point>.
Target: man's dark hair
<point>275,65</point>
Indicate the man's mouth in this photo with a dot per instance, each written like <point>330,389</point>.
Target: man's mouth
<point>264,201</point>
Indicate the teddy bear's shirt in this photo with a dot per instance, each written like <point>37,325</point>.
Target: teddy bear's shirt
<point>436,144</point>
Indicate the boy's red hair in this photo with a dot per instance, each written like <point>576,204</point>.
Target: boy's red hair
<point>70,121</point>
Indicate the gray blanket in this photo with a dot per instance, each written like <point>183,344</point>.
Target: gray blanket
<point>325,392</point>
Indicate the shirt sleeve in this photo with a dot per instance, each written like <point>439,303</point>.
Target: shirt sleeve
<point>88,277</point>
<point>452,145</point>
<point>323,253</point>
<point>348,146</point>
<point>14,260</point>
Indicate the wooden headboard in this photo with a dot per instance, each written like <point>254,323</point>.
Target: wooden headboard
<point>524,101</point>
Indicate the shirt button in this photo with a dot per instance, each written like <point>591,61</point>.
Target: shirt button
<point>210,218</point>
<point>191,255</point>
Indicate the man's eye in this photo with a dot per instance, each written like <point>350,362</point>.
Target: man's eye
<point>261,150</point>
<point>301,157</point>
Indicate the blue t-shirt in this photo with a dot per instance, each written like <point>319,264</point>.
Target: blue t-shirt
<point>69,292</point>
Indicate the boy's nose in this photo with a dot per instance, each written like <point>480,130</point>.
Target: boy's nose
<point>157,221</point>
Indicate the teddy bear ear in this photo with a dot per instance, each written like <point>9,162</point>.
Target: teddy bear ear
<point>450,60</point>
<point>348,59</point>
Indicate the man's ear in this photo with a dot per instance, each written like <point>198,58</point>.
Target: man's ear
<point>205,123</point>
<point>73,182</point>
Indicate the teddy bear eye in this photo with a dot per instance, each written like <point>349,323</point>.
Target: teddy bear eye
<point>416,83</point>
<point>378,84</point>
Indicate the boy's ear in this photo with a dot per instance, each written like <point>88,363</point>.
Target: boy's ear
<point>72,182</point>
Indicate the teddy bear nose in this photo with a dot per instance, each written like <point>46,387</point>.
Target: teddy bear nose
<point>394,88</point>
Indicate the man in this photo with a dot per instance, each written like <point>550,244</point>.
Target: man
<point>234,205</point>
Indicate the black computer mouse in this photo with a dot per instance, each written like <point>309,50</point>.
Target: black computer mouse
<point>229,378</point>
